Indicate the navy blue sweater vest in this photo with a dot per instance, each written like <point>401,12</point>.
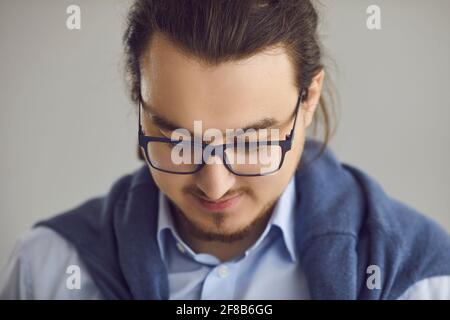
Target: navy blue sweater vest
<point>344,224</point>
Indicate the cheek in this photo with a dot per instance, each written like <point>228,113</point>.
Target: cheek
<point>170,184</point>
<point>292,157</point>
<point>267,188</point>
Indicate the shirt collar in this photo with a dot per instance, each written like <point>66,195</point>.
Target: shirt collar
<point>282,217</point>
<point>166,225</point>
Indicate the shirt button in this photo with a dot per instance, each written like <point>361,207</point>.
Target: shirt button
<point>180,247</point>
<point>222,271</point>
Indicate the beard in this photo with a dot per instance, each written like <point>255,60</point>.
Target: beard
<point>199,231</point>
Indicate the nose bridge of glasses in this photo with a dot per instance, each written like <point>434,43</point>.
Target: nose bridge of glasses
<point>213,154</point>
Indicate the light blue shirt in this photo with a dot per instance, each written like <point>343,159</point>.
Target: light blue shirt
<point>270,269</point>
<point>267,270</point>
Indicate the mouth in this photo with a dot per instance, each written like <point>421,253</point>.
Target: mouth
<point>216,206</point>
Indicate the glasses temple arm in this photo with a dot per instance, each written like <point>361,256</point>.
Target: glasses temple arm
<point>140,131</point>
<point>299,103</point>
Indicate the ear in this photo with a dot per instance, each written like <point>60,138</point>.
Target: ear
<point>314,92</point>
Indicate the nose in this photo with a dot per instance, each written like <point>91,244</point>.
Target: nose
<point>215,180</point>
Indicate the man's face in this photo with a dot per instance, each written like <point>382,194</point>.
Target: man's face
<point>216,204</point>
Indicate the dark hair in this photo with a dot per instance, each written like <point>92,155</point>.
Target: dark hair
<point>216,31</point>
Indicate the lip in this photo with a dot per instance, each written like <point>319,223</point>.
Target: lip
<point>215,206</point>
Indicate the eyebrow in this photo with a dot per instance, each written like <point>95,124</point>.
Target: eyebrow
<point>157,120</point>
<point>165,124</point>
<point>262,124</point>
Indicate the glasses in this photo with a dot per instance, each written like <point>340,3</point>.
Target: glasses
<point>243,157</point>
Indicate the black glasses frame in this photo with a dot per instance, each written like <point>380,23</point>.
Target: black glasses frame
<point>286,145</point>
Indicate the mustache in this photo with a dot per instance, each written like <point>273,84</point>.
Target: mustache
<point>229,194</point>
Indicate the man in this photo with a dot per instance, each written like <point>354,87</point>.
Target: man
<point>293,223</point>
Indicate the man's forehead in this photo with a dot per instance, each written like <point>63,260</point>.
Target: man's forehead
<point>171,77</point>
<point>255,92</point>
<point>170,122</point>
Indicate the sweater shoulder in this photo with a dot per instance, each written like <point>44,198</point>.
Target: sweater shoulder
<point>409,246</point>
<point>394,220</point>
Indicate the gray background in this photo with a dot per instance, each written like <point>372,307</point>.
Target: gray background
<point>67,129</point>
